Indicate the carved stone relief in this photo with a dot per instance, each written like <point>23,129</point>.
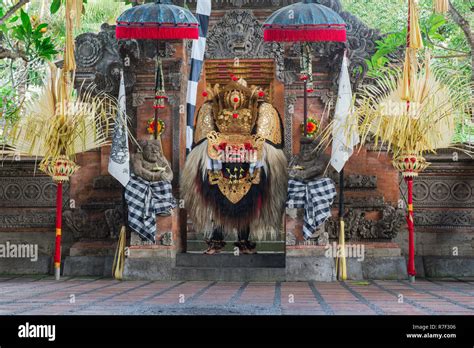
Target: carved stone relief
<point>239,34</point>
<point>27,219</point>
<point>27,196</point>
<point>290,101</point>
<point>358,227</point>
<point>228,4</point>
<point>439,191</point>
<point>83,227</point>
<point>356,181</point>
<point>443,219</point>
<point>23,192</point>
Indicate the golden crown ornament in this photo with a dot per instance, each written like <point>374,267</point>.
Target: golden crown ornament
<point>60,169</point>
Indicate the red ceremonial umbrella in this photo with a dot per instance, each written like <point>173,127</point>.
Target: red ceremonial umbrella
<point>304,22</point>
<point>157,21</point>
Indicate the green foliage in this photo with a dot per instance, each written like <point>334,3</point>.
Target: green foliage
<point>386,48</point>
<point>444,39</point>
<point>95,13</point>
<point>55,5</point>
<point>30,41</point>
<point>20,34</point>
<point>465,132</point>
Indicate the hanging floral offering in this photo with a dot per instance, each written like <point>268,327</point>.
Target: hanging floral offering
<point>151,126</point>
<point>312,127</point>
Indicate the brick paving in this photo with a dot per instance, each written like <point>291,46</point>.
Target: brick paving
<point>88,296</point>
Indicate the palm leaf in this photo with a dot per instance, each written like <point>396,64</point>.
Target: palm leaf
<point>61,123</point>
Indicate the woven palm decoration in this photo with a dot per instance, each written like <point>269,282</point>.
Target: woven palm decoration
<point>427,123</point>
<point>59,123</point>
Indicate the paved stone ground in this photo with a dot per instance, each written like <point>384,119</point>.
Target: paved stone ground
<point>87,296</point>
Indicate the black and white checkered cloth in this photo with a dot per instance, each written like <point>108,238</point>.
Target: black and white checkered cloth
<point>203,12</point>
<point>145,200</point>
<point>316,197</point>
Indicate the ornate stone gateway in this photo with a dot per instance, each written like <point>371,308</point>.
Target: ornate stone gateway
<point>444,194</point>
<point>235,46</point>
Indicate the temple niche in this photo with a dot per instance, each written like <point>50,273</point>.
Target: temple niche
<point>235,43</point>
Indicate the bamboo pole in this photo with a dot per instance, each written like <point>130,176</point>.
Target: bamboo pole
<point>342,266</point>
<point>411,230</point>
<point>57,249</point>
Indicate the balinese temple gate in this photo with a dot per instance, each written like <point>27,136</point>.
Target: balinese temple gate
<point>375,216</point>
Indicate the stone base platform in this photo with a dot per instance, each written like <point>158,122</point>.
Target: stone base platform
<point>364,261</point>
<point>300,263</point>
<point>230,260</point>
<point>90,259</point>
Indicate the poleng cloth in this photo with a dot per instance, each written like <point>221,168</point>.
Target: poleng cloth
<point>145,200</point>
<point>316,197</point>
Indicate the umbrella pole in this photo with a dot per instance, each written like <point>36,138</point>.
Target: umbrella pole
<point>411,231</point>
<point>158,72</point>
<point>57,249</point>
<point>342,268</point>
<point>155,132</point>
<point>305,109</point>
<point>305,60</point>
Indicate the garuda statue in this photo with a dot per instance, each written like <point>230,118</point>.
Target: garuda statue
<point>235,178</point>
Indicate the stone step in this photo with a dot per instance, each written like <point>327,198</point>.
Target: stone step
<point>88,266</point>
<point>275,246</point>
<point>229,274</point>
<point>229,260</point>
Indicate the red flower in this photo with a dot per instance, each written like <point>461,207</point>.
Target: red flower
<point>311,127</point>
<point>235,115</point>
<point>261,94</point>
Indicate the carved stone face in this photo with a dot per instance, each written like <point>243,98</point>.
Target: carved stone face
<point>152,151</point>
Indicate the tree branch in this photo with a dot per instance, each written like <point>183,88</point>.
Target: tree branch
<point>465,26</point>
<point>453,56</point>
<point>12,10</point>
<point>463,23</point>
<point>6,53</point>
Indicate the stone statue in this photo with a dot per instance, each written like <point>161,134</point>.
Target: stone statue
<point>150,164</point>
<point>311,163</point>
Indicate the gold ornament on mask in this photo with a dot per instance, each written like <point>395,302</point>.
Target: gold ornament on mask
<point>215,140</point>
<point>236,186</point>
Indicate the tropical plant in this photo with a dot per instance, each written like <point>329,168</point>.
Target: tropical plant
<point>25,46</point>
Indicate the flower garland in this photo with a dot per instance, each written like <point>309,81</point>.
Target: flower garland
<point>312,127</point>
<point>151,126</point>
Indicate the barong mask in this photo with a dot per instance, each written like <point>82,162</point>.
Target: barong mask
<point>236,121</point>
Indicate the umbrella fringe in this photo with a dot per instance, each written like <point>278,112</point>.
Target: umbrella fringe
<point>156,33</point>
<point>308,35</point>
